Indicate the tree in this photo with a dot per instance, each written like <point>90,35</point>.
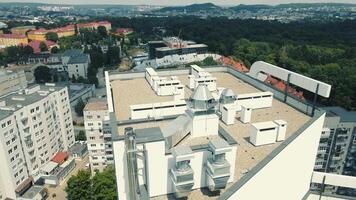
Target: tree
<point>79,107</point>
<point>209,61</point>
<point>101,187</point>
<point>43,74</point>
<point>43,47</point>
<point>54,50</point>
<point>104,185</point>
<point>52,36</point>
<point>81,136</point>
<point>79,186</point>
<point>113,56</point>
<point>102,31</point>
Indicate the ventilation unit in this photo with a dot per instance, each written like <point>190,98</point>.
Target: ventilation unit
<point>217,167</point>
<point>182,174</point>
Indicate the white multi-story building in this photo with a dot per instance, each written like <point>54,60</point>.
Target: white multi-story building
<point>98,134</point>
<point>195,154</point>
<point>337,146</point>
<point>11,81</point>
<point>36,124</point>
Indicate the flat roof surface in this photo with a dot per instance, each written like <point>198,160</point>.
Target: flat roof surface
<point>128,92</point>
<point>248,156</point>
<point>97,105</point>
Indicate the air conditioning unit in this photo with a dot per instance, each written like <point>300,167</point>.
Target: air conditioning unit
<point>182,174</point>
<point>217,167</point>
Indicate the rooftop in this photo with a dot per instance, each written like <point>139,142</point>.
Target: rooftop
<point>126,93</point>
<point>14,101</point>
<point>97,105</point>
<point>32,192</point>
<point>13,36</point>
<point>72,52</point>
<point>81,58</point>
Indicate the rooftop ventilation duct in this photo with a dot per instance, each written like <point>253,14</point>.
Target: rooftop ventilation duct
<point>182,174</point>
<point>217,167</point>
<point>131,158</point>
<point>227,96</point>
<point>202,100</point>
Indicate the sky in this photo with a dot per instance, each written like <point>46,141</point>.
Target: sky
<point>179,2</point>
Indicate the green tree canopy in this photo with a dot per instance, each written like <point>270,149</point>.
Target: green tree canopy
<point>43,74</point>
<point>101,187</point>
<point>102,31</point>
<point>79,107</point>
<point>43,47</point>
<point>52,36</point>
<point>79,186</point>
<point>54,50</point>
<point>104,185</point>
<point>81,136</point>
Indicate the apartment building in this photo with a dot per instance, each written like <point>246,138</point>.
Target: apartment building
<point>22,29</point>
<point>7,40</point>
<point>36,124</point>
<point>40,34</point>
<point>98,133</point>
<point>94,25</point>
<point>11,81</point>
<point>337,147</point>
<point>65,31</point>
<point>222,146</point>
<point>174,45</point>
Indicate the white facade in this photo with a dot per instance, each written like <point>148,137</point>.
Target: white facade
<point>287,175</point>
<point>78,70</point>
<point>157,110</point>
<point>98,135</point>
<point>159,165</point>
<point>11,81</point>
<point>254,100</point>
<point>35,124</point>
<point>172,60</point>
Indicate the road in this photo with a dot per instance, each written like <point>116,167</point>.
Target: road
<point>59,192</point>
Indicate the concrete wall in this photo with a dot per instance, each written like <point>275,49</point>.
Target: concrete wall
<point>288,174</point>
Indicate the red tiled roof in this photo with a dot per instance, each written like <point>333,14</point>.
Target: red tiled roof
<point>124,30</point>
<point>12,35</point>
<point>60,157</point>
<point>280,85</point>
<point>91,24</point>
<point>55,30</point>
<point>235,64</point>
<point>36,45</point>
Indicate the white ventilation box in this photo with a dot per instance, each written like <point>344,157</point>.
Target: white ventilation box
<point>228,114</point>
<point>245,114</point>
<point>191,81</point>
<point>263,133</point>
<point>281,129</point>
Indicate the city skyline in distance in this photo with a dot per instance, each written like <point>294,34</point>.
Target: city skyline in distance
<point>182,2</point>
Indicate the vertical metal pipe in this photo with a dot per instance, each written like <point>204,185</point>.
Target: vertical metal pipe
<point>131,158</point>
<point>315,99</point>
<point>286,89</point>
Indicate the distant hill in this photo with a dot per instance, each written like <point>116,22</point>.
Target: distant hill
<point>255,7</point>
<point>191,8</point>
<point>241,7</point>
